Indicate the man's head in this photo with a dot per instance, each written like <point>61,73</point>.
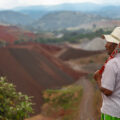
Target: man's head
<point>112,40</point>
<point>110,47</point>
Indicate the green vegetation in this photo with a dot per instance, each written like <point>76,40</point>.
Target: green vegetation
<point>13,105</point>
<point>69,36</point>
<point>74,36</point>
<point>19,41</point>
<point>63,102</point>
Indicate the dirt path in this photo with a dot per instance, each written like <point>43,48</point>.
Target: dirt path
<point>86,109</point>
<point>86,106</point>
<point>39,117</point>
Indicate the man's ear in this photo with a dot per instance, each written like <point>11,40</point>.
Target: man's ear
<point>102,36</point>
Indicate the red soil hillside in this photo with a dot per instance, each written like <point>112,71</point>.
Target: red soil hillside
<point>48,51</point>
<point>32,69</point>
<point>72,53</point>
<point>13,33</point>
<point>53,49</point>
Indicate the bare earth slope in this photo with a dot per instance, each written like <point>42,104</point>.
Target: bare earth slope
<point>72,53</point>
<point>32,70</point>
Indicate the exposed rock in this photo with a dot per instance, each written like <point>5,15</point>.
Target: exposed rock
<point>95,44</point>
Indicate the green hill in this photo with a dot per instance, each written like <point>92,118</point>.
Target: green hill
<point>63,20</point>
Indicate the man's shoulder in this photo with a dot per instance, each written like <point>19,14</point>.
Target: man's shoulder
<point>113,63</point>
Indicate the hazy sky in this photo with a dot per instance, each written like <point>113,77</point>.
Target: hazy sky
<point>6,4</point>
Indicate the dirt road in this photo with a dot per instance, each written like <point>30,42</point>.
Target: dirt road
<point>39,117</point>
<point>86,109</point>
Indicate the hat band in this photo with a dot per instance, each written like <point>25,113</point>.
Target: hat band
<point>115,37</point>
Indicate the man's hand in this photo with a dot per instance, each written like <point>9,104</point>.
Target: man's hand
<point>97,75</point>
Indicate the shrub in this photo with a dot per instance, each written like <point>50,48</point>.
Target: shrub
<point>13,105</point>
<point>63,103</point>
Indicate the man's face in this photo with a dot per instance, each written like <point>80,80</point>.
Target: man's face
<point>110,47</point>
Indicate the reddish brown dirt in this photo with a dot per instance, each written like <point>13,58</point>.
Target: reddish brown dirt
<point>57,62</point>
<point>54,49</point>
<point>16,74</point>
<point>72,53</point>
<point>86,108</point>
<point>12,33</point>
<point>32,69</point>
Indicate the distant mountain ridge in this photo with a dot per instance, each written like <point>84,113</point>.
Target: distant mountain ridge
<point>57,17</point>
<point>63,7</point>
<point>39,11</point>
<point>63,20</point>
<point>109,11</point>
<point>14,18</point>
<point>88,7</point>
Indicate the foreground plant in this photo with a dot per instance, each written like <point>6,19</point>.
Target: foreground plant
<point>13,105</point>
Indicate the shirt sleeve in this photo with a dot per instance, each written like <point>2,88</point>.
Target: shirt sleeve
<point>109,77</point>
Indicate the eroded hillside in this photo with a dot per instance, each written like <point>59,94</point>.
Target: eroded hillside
<point>32,69</point>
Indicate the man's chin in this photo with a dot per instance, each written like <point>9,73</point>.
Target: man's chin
<point>108,53</point>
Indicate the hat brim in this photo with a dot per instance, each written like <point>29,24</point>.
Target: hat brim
<point>109,38</point>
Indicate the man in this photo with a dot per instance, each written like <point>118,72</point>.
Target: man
<point>108,78</point>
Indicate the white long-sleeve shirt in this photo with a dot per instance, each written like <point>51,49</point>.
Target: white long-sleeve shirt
<point>111,81</point>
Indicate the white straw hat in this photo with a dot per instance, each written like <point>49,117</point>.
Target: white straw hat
<point>114,37</point>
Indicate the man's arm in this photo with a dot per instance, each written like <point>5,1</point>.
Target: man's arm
<point>98,77</point>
